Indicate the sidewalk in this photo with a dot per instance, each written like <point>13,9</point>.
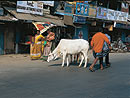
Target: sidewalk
<point>14,56</point>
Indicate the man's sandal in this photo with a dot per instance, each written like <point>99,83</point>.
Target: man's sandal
<point>91,69</point>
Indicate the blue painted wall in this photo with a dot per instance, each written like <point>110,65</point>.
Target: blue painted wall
<point>84,30</point>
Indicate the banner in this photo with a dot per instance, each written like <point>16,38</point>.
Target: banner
<point>43,26</point>
<point>32,7</point>
<point>82,9</point>
<point>92,11</point>
<point>117,15</point>
<point>101,13</point>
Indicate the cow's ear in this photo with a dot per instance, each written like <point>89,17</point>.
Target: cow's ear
<point>49,54</point>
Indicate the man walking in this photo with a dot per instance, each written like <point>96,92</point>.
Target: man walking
<point>97,44</point>
<point>107,56</point>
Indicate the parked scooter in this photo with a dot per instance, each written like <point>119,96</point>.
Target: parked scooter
<point>119,46</point>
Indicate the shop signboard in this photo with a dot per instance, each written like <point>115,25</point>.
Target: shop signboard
<point>101,13</point>
<point>1,11</point>
<point>110,14</point>
<point>32,7</point>
<point>117,15</point>
<point>124,26</point>
<point>68,8</point>
<point>79,19</point>
<point>121,16</point>
<point>82,9</point>
<point>92,11</point>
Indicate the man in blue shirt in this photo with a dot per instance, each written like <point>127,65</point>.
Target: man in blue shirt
<point>107,56</point>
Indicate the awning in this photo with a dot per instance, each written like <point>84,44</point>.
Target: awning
<point>35,18</point>
<point>7,18</point>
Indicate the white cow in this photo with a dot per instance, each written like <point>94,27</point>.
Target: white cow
<point>70,46</point>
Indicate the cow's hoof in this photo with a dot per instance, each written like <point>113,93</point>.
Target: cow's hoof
<point>84,67</point>
<point>79,66</point>
<point>62,66</point>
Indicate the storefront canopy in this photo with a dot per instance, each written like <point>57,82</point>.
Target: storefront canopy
<point>43,26</point>
<point>35,18</point>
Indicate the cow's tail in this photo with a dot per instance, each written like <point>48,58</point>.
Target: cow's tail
<point>89,51</point>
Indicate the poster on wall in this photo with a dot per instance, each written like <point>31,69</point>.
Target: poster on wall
<point>92,11</point>
<point>82,9</point>
<point>32,7</point>
<point>81,32</point>
<point>101,13</point>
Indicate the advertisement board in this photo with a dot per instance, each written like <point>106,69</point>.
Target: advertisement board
<point>79,19</point>
<point>82,9</point>
<point>117,15</point>
<point>101,13</point>
<point>92,11</point>
<point>32,7</point>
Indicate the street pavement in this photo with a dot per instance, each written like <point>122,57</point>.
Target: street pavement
<point>21,77</point>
